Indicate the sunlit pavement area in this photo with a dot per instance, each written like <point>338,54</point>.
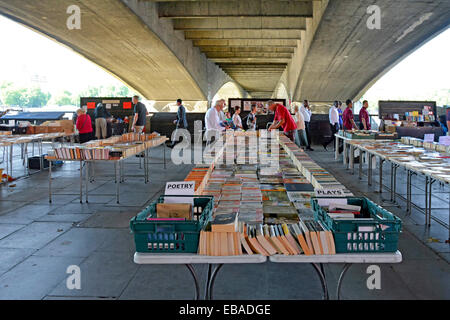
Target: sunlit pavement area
<point>38,241</point>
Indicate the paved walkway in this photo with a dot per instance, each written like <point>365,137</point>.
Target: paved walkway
<point>38,241</point>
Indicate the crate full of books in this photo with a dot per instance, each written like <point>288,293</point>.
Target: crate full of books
<point>171,225</point>
<point>358,224</point>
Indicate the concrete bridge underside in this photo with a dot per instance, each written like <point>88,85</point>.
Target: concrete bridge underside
<point>319,50</point>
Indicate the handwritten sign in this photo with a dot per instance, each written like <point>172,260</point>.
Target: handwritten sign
<point>180,188</point>
<point>329,193</point>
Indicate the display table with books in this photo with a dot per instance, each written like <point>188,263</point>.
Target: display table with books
<point>430,160</point>
<point>113,150</point>
<point>265,205</point>
<point>9,141</point>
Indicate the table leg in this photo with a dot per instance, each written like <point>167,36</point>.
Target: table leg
<point>81,181</point>
<point>211,281</point>
<point>369,170</point>
<point>164,146</point>
<point>408,194</point>
<point>381,176</point>
<point>208,276</point>
<point>341,278</point>
<point>360,163</point>
<point>11,148</point>
<point>394,192</point>
<point>352,158</point>
<point>117,182</point>
<point>429,200</point>
<point>50,181</point>
<point>194,275</point>
<point>344,154</point>
<point>322,279</point>
<point>86,178</point>
<point>336,148</point>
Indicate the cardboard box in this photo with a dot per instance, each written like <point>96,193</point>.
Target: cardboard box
<point>174,210</point>
<point>40,129</point>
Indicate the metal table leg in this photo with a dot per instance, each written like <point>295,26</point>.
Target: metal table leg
<point>322,279</point>
<point>50,181</point>
<point>369,169</point>
<point>381,176</point>
<point>212,279</point>
<point>344,154</point>
<point>11,148</point>
<point>164,146</point>
<point>81,181</point>
<point>336,148</point>
<point>208,277</point>
<point>352,158</point>
<point>408,191</point>
<point>360,163</point>
<point>118,182</point>
<point>87,181</point>
<point>426,200</point>
<point>429,200</point>
<point>194,276</point>
<point>341,278</point>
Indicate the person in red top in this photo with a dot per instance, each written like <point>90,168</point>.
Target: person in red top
<point>283,118</point>
<point>84,126</point>
<point>364,117</point>
<point>347,116</point>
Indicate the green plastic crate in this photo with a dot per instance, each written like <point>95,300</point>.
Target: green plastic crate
<point>384,237</point>
<point>170,236</point>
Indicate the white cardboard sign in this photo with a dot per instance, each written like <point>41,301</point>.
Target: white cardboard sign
<point>179,188</point>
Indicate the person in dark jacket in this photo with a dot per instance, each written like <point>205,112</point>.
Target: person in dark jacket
<point>100,115</point>
<point>180,122</point>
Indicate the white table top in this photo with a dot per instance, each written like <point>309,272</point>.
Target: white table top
<point>191,258</point>
<point>395,257</point>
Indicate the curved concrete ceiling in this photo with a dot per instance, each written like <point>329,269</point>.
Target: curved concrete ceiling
<point>114,38</point>
<point>346,58</point>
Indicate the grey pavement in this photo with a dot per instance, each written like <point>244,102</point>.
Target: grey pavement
<point>38,241</point>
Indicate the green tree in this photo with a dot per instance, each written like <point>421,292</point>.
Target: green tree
<point>15,97</point>
<point>65,98</point>
<point>36,98</point>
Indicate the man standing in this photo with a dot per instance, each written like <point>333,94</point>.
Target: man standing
<point>140,114</point>
<point>302,140</point>
<point>305,109</point>
<point>100,115</point>
<point>251,119</point>
<point>334,123</point>
<point>364,120</point>
<point>213,120</point>
<point>181,121</point>
<point>283,118</point>
<point>349,122</point>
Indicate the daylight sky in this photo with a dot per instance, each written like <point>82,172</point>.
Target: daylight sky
<point>25,54</point>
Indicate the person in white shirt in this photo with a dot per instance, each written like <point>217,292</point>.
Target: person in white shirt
<point>334,123</point>
<point>213,120</point>
<point>299,120</point>
<point>237,118</point>
<point>305,109</point>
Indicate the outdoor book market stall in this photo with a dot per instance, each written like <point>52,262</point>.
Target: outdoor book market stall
<point>113,150</point>
<point>268,200</point>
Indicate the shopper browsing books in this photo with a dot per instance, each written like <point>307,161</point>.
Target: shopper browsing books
<point>180,122</point>
<point>305,109</point>
<point>334,123</point>
<point>302,140</point>
<point>251,119</point>
<point>213,120</point>
<point>84,126</point>
<point>237,121</point>
<point>140,114</point>
<point>364,117</point>
<point>283,119</point>
<point>100,115</point>
<point>349,122</point>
